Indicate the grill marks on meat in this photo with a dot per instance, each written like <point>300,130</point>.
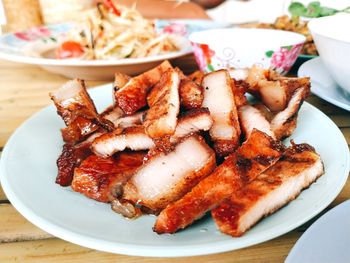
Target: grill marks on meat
<point>299,167</point>
<point>257,154</point>
<point>78,111</point>
<point>164,178</point>
<point>132,96</point>
<point>251,118</point>
<point>161,118</point>
<point>133,138</point>
<point>100,178</point>
<point>219,99</point>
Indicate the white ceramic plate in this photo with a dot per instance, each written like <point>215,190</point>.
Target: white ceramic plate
<point>28,171</point>
<point>323,85</point>
<point>327,240</point>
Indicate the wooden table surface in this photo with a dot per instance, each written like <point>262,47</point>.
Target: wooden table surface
<point>23,91</point>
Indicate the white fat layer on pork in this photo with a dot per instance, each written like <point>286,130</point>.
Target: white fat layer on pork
<point>251,118</point>
<point>114,115</point>
<point>218,98</point>
<point>292,108</point>
<point>129,121</point>
<point>117,143</point>
<point>68,92</point>
<point>161,174</point>
<point>288,190</point>
<point>186,126</point>
<point>239,73</point>
<point>174,102</point>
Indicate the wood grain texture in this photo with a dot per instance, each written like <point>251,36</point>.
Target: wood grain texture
<point>23,91</point>
<point>55,250</point>
<point>14,227</point>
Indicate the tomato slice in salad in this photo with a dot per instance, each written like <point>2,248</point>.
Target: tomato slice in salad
<point>69,49</point>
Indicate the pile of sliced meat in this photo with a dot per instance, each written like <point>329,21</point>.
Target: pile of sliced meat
<point>179,146</point>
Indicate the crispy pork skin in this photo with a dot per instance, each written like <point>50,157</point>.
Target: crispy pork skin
<point>161,118</point>
<point>219,99</point>
<point>120,80</point>
<point>133,138</point>
<point>98,178</point>
<point>191,94</point>
<point>164,178</point>
<point>299,167</point>
<point>251,118</point>
<point>71,157</point>
<point>132,96</point>
<point>255,155</point>
<point>78,111</point>
<point>284,123</point>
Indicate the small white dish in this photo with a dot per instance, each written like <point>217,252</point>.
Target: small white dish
<point>331,35</point>
<point>322,83</point>
<point>326,240</point>
<point>28,171</point>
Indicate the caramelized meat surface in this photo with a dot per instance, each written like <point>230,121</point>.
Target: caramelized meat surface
<point>102,178</point>
<point>191,94</point>
<point>255,155</point>
<point>164,178</point>
<point>298,168</point>
<point>132,96</point>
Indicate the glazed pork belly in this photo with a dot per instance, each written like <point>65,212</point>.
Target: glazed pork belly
<point>102,178</point>
<point>255,155</point>
<point>299,167</point>
<point>112,114</point>
<point>131,120</point>
<point>191,94</point>
<point>284,123</point>
<point>132,96</point>
<point>166,177</point>
<point>78,111</point>
<point>71,157</point>
<point>120,80</point>
<point>219,99</point>
<point>161,118</point>
<point>251,118</point>
<point>135,138</point>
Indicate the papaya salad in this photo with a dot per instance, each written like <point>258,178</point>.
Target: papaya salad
<point>111,31</point>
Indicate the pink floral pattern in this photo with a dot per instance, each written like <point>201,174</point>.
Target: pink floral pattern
<point>176,28</point>
<point>33,34</point>
<point>283,59</point>
<point>203,55</point>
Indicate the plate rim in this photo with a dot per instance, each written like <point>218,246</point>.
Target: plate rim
<point>303,71</point>
<point>153,250</point>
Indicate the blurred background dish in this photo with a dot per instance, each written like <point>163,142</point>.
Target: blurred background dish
<point>332,38</point>
<point>322,83</point>
<point>243,47</point>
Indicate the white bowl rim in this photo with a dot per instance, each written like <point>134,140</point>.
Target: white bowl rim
<point>301,37</point>
<point>311,26</point>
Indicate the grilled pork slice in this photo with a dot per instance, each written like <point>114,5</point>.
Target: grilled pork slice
<point>239,88</point>
<point>298,168</point>
<point>219,99</point>
<point>255,155</point>
<point>191,94</point>
<point>131,120</point>
<point>133,138</point>
<point>161,118</point>
<point>196,77</point>
<point>191,122</point>
<point>136,138</point>
<point>71,157</point>
<point>284,122</point>
<point>100,178</point>
<point>251,118</point>
<point>132,96</point>
<point>165,178</point>
<point>76,108</point>
<point>112,114</point>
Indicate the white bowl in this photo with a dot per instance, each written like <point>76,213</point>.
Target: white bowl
<point>332,38</point>
<point>243,47</point>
